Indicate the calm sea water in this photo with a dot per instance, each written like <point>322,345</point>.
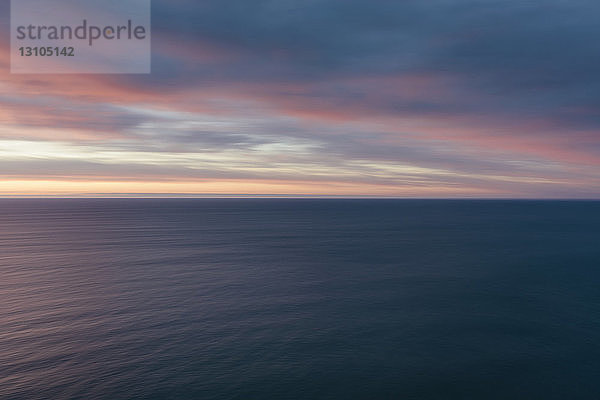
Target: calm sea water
<point>299,299</point>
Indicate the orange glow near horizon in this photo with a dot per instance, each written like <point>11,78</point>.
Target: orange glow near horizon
<point>11,188</point>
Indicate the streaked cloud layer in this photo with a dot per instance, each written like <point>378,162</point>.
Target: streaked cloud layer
<point>440,98</point>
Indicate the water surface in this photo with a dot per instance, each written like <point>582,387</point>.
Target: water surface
<point>299,299</point>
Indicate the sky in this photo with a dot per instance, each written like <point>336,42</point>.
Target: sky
<point>406,98</point>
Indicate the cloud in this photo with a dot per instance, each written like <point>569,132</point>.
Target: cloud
<point>494,96</point>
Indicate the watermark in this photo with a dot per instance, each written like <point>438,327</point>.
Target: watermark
<point>80,36</point>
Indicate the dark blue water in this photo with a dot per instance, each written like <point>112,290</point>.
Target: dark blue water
<point>299,299</point>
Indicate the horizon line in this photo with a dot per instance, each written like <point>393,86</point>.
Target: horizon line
<point>281,197</point>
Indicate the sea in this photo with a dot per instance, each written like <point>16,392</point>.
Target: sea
<point>299,299</point>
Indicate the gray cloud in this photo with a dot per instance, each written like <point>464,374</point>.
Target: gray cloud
<point>502,68</point>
